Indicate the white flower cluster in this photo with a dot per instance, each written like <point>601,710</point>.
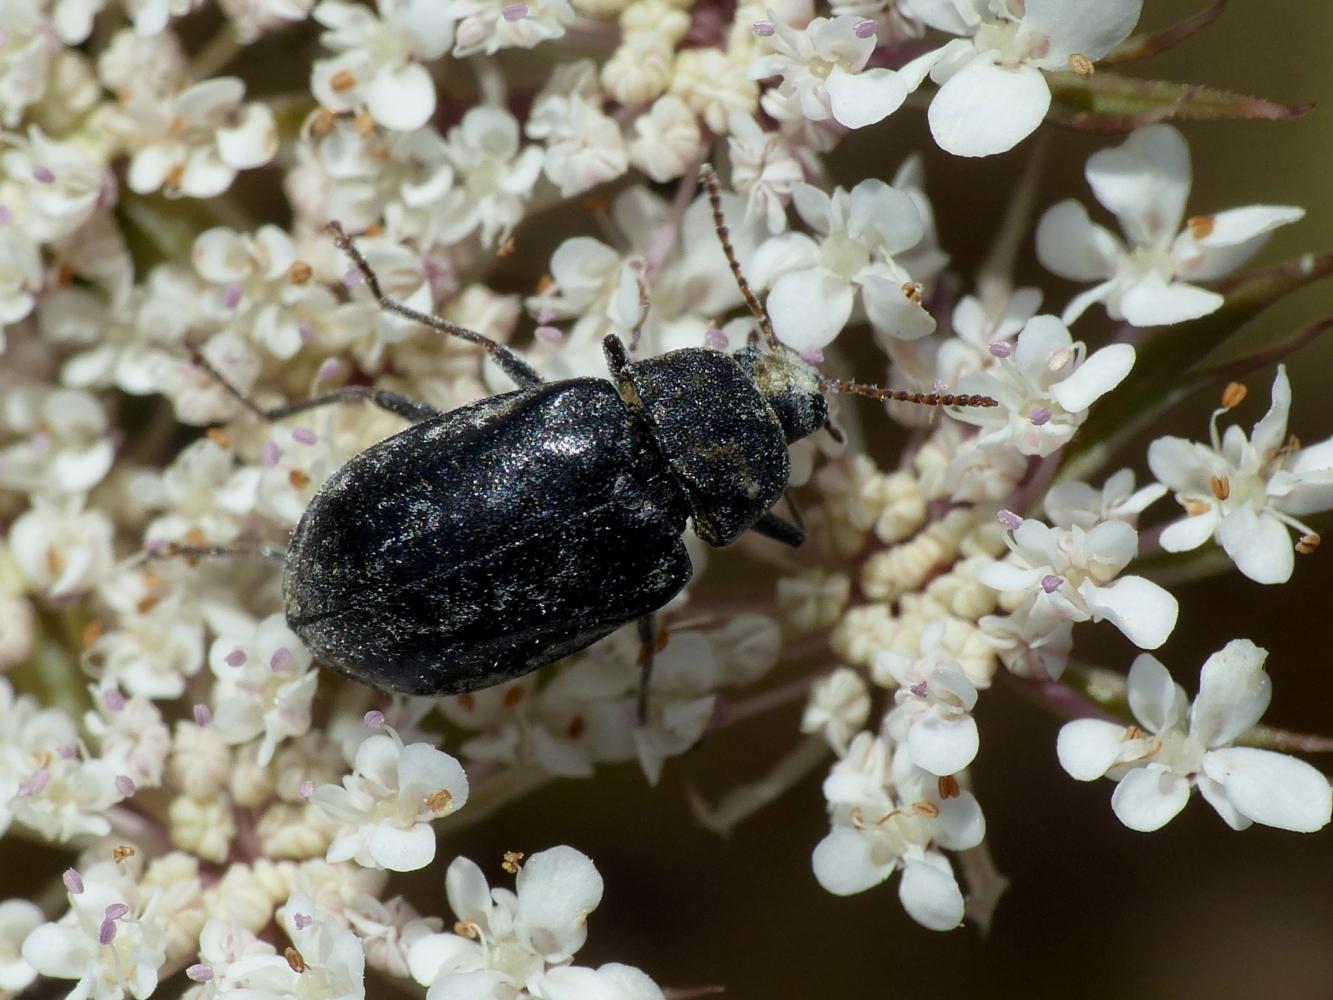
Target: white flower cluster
<point>236,813</point>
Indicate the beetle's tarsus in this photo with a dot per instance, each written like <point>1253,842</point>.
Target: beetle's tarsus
<point>174,550</point>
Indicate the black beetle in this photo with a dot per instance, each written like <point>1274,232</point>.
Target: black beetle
<point>480,544</point>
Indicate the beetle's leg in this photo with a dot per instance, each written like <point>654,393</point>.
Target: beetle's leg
<point>403,406</point>
<point>173,550</point>
<point>616,355</point>
<point>772,526</point>
<point>645,304</point>
<point>647,651</point>
<point>795,509</point>
<point>510,363</point>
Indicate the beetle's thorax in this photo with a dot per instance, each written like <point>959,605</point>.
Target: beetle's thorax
<point>724,442</point>
<point>790,386</point>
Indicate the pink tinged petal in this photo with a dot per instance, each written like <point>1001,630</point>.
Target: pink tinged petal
<point>1071,245</point>
<point>1098,375</point>
<point>809,308</point>
<point>557,889</point>
<point>985,109</point>
<point>931,896</point>
<point>1148,798</point>
<point>1145,182</point>
<point>1272,788</point>
<point>1088,27</point>
<point>1139,608</point>
<point>401,99</point>
<point>961,823</point>
<point>1259,545</point>
<point>890,310</point>
<point>1150,301</point>
<point>1271,431</point>
<point>1216,796</point>
<point>1158,702</point>
<point>1234,693</point>
<point>1088,748</point>
<point>402,850</point>
<point>861,99</point>
<point>844,865</point>
<point>943,745</point>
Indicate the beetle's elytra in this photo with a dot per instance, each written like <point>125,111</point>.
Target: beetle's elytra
<point>477,545</point>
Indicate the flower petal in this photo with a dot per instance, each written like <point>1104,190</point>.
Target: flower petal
<point>943,745</point>
<point>1071,245</point>
<point>1145,181</point>
<point>402,850</point>
<point>1258,544</point>
<point>1148,798</point>
<point>557,889</point>
<point>890,309</point>
<point>1271,431</point>
<point>1151,301</point>
<point>860,99</point>
<point>843,863</point>
<point>1098,375</point>
<point>1090,28</point>
<point>1234,693</point>
<point>402,99</point>
<point>1088,748</point>
<point>984,109</point>
<point>809,308</point>
<point>931,896</point>
<point>1158,702</point>
<point>1143,611</point>
<point>1272,788</point>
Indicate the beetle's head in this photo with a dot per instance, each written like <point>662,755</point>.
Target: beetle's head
<point>791,387</point>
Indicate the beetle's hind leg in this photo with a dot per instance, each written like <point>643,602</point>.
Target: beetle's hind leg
<point>172,550</point>
<point>403,406</point>
<point>787,532</point>
<point>510,363</point>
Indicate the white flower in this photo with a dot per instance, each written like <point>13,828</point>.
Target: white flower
<point>979,323</point>
<point>1191,747</point>
<point>151,16</point>
<point>232,958</point>
<point>27,732</point>
<point>993,93</point>
<point>251,18</point>
<point>584,147</point>
<point>194,143</point>
<point>886,817</point>
<point>816,283</point>
<point>837,708</point>
<point>823,71</point>
<point>1044,388</point>
<point>764,170</point>
<point>265,685</point>
<point>18,918</point>
<point>491,25</point>
<point>1072,503</point>
<point>111,940</point>
<point>1076,574</point>
<point>332,959</point>
<point>61,183</point>
<point>130,734</point>
<point>666,139</point>
<point>61,548</point>
<point>261,288</point>
<point>507,942</point>
<point>932,714</point>
<point>27,47</point>
<point>388,930</point>
<point>387,803</point>
<point>160,641</point>
<point>1246,492</point>
<point>379,58</point>
<point>20,274</point>
<point>67,446</point>
<point>495,176</point>
<point>714,85</point>
<point>1152,279</point>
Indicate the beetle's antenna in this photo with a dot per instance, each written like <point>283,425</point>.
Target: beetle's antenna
<point>709,178</point>
<point>903,395</point>
<point>513,366</point>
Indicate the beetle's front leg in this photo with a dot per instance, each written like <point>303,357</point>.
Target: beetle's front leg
<point>616,355</point>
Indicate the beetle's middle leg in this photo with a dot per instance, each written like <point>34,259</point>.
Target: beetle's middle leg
<point>403,406</point>
<point>784,531</point>
<point>510,363</point>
